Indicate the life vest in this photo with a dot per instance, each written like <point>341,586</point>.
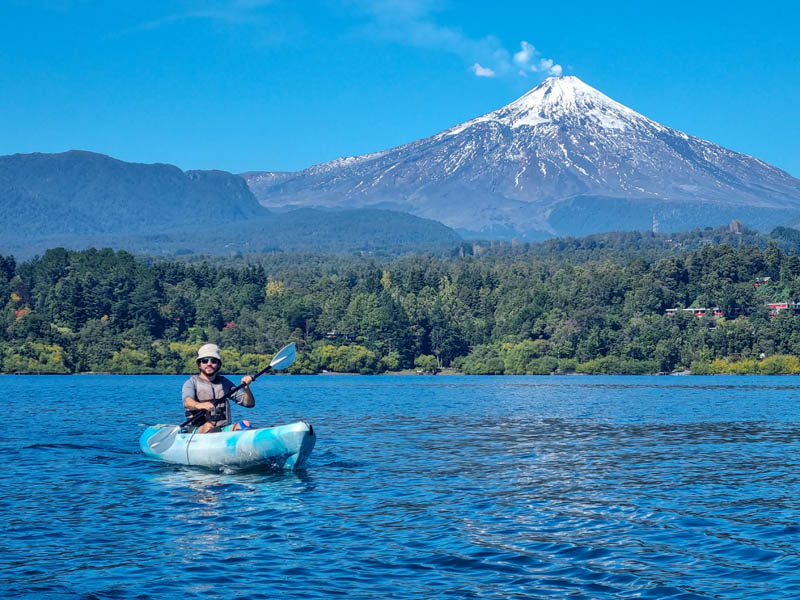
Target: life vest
<point>206,391</point>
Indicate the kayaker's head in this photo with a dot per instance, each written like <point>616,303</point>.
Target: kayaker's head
<point>209,360</point>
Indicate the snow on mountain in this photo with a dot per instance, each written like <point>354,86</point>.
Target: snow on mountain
<point>561,97</point>
<point>564,159</point>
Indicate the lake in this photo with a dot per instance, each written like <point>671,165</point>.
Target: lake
<point>419,487</point>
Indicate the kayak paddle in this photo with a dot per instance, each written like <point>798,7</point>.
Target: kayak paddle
<point>165,438</point>
<point>283,359</point>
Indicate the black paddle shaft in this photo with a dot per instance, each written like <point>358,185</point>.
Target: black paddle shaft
<point>194,419</point>
<point>241,385</point>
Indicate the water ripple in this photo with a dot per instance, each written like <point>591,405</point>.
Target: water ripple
<point>482,487</point>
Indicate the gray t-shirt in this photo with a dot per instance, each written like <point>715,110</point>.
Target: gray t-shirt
<point>205,391</point>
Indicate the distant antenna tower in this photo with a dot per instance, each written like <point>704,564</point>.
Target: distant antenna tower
<point>655,224</point>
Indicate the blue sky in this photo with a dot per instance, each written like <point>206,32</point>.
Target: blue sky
<point>278,85</point>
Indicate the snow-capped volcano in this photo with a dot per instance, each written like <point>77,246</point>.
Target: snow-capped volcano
<point>556,100</point>
<point>562,159</point>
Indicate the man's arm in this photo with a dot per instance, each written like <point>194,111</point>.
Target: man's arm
<point>190,403</point>
<point>245,396</point>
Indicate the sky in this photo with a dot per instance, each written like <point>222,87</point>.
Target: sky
<point>280,85</point>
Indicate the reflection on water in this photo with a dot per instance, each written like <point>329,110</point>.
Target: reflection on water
<point>428,487</point>
<point>202,500</point>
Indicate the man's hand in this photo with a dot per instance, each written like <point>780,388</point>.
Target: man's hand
<point>247,380</point>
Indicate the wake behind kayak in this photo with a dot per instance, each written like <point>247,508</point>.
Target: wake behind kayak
<point>286,446</point>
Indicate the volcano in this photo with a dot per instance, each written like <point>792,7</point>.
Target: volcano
<point>564,159</point>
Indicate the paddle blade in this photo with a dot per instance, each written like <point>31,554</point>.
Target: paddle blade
<point>162,440</point>
<point>285,357</point>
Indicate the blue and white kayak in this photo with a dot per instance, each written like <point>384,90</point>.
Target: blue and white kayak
<point>287,446</point>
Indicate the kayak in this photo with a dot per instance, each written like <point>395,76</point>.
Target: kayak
<point>286,446</point>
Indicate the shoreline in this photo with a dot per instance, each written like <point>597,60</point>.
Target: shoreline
<point>408,373</point>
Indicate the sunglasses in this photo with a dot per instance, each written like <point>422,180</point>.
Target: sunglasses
<point>213,361</point>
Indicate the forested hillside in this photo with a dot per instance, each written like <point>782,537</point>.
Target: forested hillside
<point>504,310</point>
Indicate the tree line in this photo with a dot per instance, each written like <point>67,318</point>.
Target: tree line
<point>509,312</point>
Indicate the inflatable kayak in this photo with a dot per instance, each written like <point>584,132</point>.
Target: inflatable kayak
<point>287,446</point>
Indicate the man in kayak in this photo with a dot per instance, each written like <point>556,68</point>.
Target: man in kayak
<point>203,394</point>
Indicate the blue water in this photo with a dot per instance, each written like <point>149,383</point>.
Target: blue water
<point>419,487</point>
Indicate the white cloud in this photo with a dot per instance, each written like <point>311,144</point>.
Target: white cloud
<point>481,71</point>
<point>523,57</point>
<point>413,23</point>
<point>528,60</point>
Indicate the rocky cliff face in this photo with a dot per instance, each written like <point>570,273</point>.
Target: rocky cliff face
<point>564,159</point>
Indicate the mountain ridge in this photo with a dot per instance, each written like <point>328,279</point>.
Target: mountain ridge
<point>84,193</point>
<point>79,199</point>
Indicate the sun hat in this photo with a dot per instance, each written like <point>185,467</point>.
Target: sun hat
<point>209,351</point>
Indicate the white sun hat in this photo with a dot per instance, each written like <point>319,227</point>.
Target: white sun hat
<point>209,351</point>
